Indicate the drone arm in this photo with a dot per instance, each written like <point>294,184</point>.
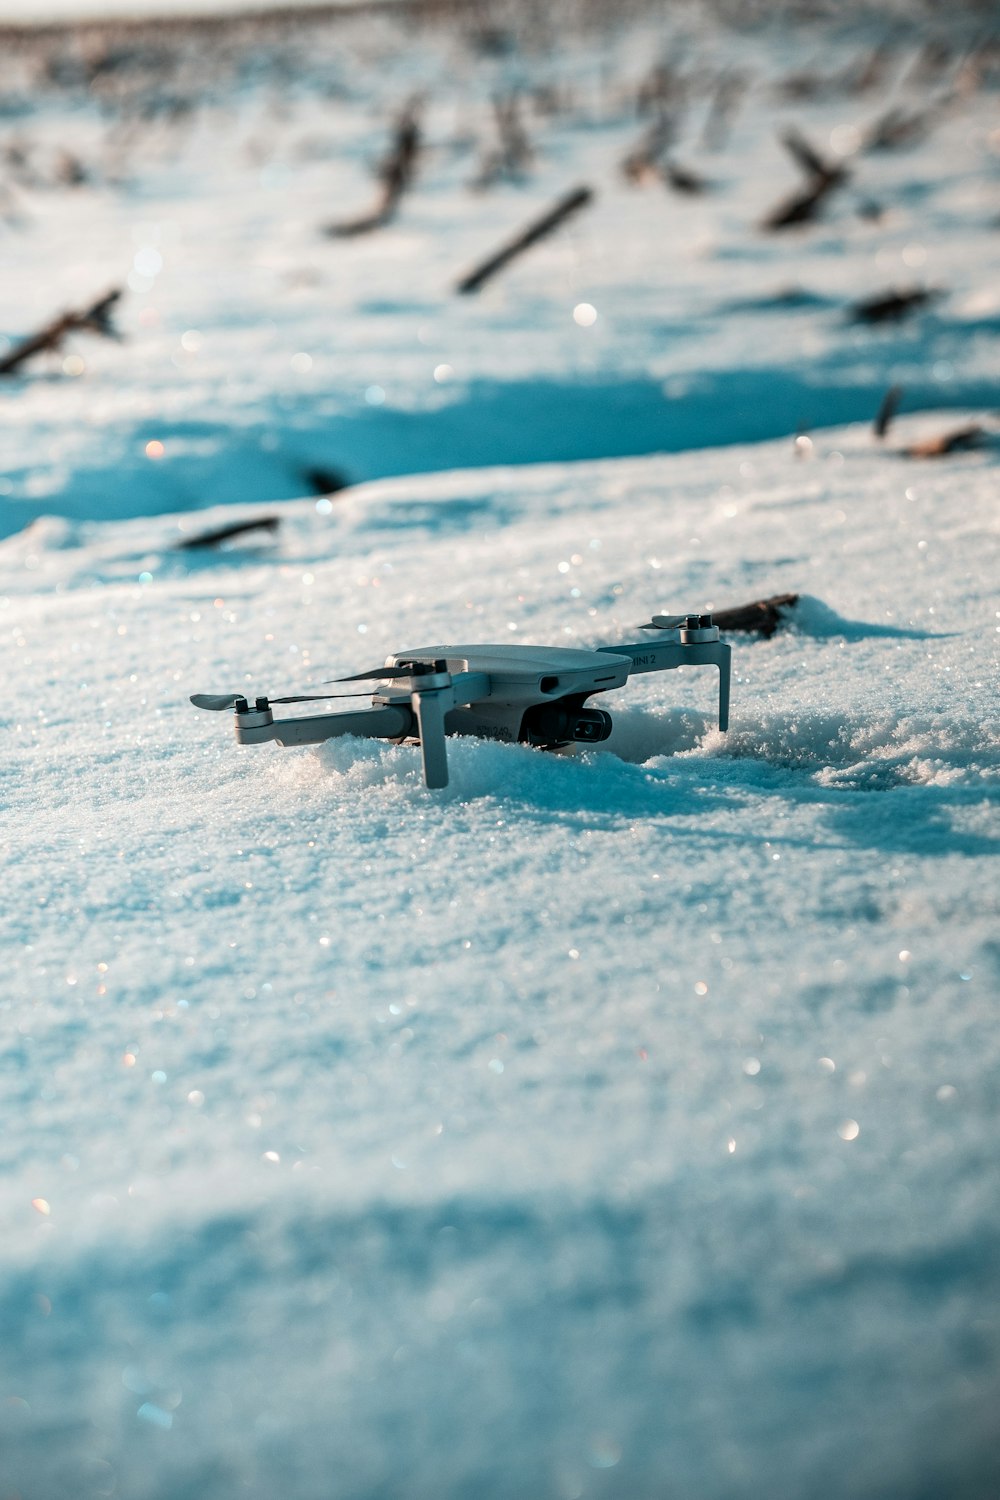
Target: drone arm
<point>670,654</point>
<point>419,714</point>
<point>391,722</point>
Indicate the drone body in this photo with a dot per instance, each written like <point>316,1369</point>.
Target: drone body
<point>534,695</point>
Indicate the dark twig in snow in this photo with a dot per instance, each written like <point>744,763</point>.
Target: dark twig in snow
<point>396,173</point>
<point>647,161</point>
<point>225,533</point>
<point>95,319</point>
<point>762,617</point>
<point>537,230</point>
<point>662,89</point>
<point>642,164</point>
<point>898,128</point>
<point>823,175</point>
<point>682,180</point>
<point>888,410</point>
<point>514,155</point>
<point>69,170</point>
<point>325,481</point>
<point>889,307</point>
<point>802,207</point>
<point>806,156</point>
<point>958,440</point>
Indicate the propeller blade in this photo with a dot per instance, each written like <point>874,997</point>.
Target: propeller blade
<point>382,673</point>
<point>214,701</point>
<point>318,697</point>
<point>217,702</point>
<point>664,622</point>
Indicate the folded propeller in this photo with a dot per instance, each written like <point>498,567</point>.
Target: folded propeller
<point>390,674</point>
<point>215,702</point>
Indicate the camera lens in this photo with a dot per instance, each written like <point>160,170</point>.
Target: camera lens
<point>550,724</point>
<point>592,726</point>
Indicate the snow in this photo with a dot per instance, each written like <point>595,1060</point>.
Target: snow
<point>610,1125</point>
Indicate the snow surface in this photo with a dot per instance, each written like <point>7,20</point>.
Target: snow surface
<point>255,348</point>
<point>618,1125</point>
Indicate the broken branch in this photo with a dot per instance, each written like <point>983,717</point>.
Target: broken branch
<point>802,207</point>
<point>888,410</point>
<point>537,230</point>
<point>224,533</point>
<point>958,440</point>
<point>762,617</point>
<point>890,306</point>
<point>396,173</point>
<point>95,319</point>
<point>824,176</point>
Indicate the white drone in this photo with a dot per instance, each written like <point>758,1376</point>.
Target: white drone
<point>535,695</point>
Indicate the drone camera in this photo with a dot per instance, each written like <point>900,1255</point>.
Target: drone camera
<point>591,726</point>
<point>548,724</point>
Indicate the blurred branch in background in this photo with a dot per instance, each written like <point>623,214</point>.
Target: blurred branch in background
<point>396,172</point>
<point>537,230</point>
<point>96,319</point>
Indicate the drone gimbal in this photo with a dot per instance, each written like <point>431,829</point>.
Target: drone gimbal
<point>535,695</point>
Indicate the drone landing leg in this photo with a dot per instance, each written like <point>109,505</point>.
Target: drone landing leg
<point>430,708</point>
<point>667,655</point>
<point>725,669</point>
